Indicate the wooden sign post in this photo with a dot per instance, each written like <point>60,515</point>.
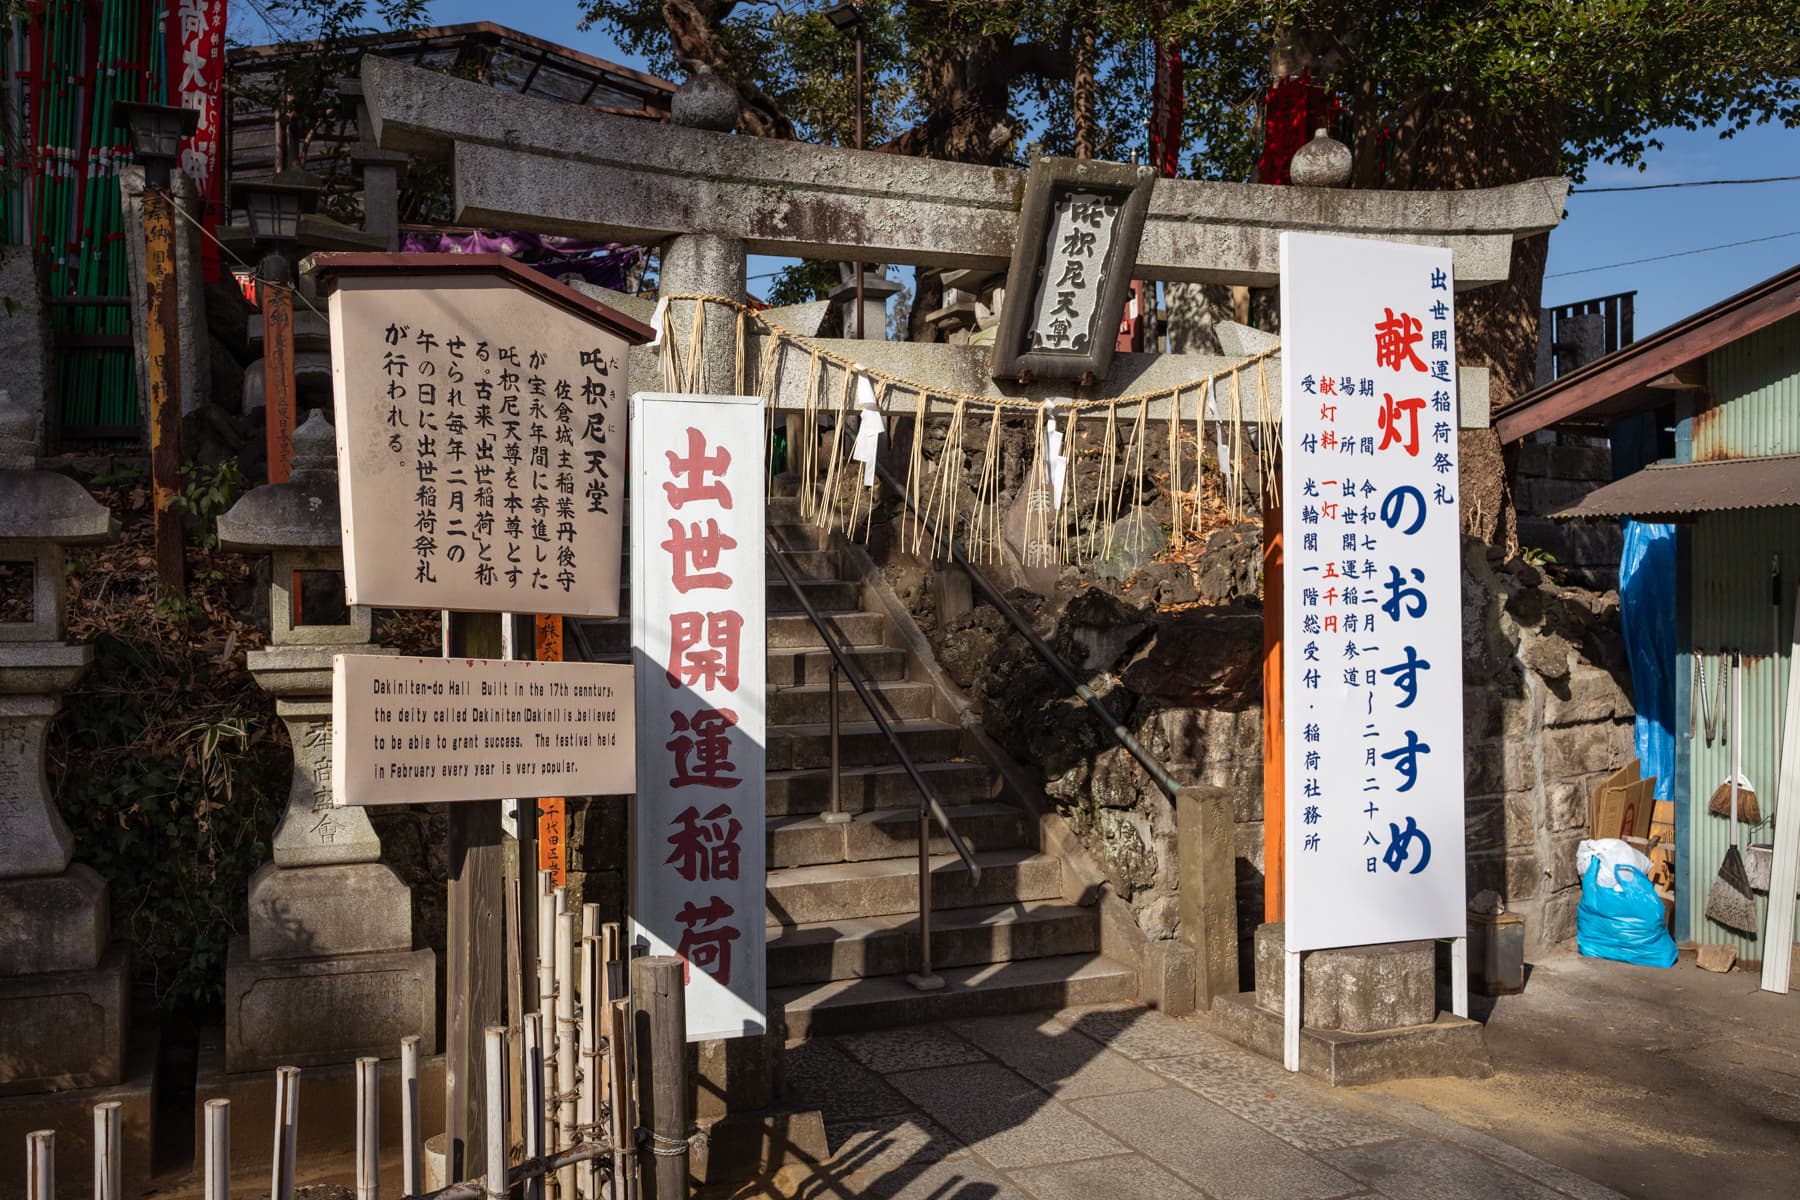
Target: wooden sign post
<point>480,418</point>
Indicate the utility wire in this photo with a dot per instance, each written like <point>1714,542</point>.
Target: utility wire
<point>1677,254</point>
<point>1685,183</point>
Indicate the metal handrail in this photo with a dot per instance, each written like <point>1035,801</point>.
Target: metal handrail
<point>1158,774</point>
<point>929,808</point>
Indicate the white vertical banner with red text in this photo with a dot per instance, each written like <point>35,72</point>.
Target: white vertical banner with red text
<point>196,73</point>
<point>698,636</point>
<point>1372,603</point>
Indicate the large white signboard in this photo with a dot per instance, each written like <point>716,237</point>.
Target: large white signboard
<point>698,643</point>
<point>1371,619</point>
<point>427,730</point>
<point>478,431</point>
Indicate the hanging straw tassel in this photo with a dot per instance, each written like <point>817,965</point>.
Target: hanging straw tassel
<point>805,455</point>
<point>940,511</point>
<point>826,517</point>
<point>1203,400</point>
<point>984,522</point>
<point>743,323</point>
<point>696,366</point>
<point>1105,482</point>
<point>915,474</point>
<point>1176,527</point>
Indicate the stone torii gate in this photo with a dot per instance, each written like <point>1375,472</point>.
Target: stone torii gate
<point>713,198</point>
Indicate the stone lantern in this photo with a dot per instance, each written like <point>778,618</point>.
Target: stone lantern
<point>63,985</point>
<point>327,971</point>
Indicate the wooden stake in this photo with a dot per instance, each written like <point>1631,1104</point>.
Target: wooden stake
<point>568,1037</point>
<point>162,327</point>
<point>108,1129</point>
<point>622,1119</point>
<point>587,1175</point>
<point>279,407</point>
<point>40,1165</point>
<point>412,1148</point>
<point>287,1132</point>
<point>659,1029</point>
<point>474,956</point>
<point>368,1129</point>
<point>218,1149</point>
<point>532,1099</point>
<point>495,1155</point>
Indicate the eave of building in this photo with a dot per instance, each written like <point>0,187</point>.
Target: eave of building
<point>1636,377</point>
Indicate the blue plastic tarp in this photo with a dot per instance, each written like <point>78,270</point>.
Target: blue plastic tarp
<point>1647,615</point>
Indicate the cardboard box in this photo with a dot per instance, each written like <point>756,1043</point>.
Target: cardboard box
<point>1622,806</point>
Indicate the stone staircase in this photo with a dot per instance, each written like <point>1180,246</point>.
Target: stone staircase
<point>842,912</point>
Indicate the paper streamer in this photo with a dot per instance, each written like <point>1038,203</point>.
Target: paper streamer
<point>869,427</point>
<point>656,321</point>
<point>1056,462</point>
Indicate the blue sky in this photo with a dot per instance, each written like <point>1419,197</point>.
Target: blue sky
<point>1601,229</point>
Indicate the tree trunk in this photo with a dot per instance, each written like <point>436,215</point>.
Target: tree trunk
<point>1456,143</point>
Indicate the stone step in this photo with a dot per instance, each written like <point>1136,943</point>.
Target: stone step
<point>612,635</point>
<point>805,895</point>
<point>825,595</point>
<point>791,668</point>
<point>888,833</point>
<point>811,564</point>
<point>850,1005</point>
<point>875,788</point>
<point>869,947</point>
<point>860,744</point>
<point>811,704</point>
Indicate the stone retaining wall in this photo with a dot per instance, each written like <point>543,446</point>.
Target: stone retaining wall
<point>1546,715</point>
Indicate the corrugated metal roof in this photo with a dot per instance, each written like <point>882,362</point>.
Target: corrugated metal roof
<point>1682,489</point>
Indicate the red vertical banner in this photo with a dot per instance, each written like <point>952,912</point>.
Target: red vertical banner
<point>196,74</point>
<point>553,825</point>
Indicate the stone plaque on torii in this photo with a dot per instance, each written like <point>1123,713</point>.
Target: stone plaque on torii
<point>712,198</point>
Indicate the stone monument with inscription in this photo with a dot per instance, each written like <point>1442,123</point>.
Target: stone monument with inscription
<point>64,985</point>
<point>327,971</point>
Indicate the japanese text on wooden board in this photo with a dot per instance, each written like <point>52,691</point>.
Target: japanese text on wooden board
<point>426,730</point>
<point>1371,615</point>
<point>698,640</point>
<point>476,432</point>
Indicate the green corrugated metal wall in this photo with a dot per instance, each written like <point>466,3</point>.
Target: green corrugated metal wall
<point>1729,595</point>
<point>1754,384</point>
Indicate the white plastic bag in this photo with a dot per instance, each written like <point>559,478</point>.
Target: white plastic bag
<point>1610,851</point>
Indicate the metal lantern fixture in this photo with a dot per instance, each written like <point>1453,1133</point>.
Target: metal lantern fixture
<point>156,133</point>
<point>845,16</point>
<point>276,204</point>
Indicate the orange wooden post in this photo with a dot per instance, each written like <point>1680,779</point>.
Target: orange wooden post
<point>553,826</point>
<point>162,328</point>
<point>1274,710</point>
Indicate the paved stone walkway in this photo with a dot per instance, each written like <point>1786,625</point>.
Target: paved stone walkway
<point>1122,1101</point>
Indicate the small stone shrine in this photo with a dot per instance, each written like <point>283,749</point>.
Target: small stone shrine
<point>327,971</point>
<point>64,985</point>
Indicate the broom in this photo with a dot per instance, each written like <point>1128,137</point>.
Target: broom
<point>1729,903</point>
<point>1735,797</point>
